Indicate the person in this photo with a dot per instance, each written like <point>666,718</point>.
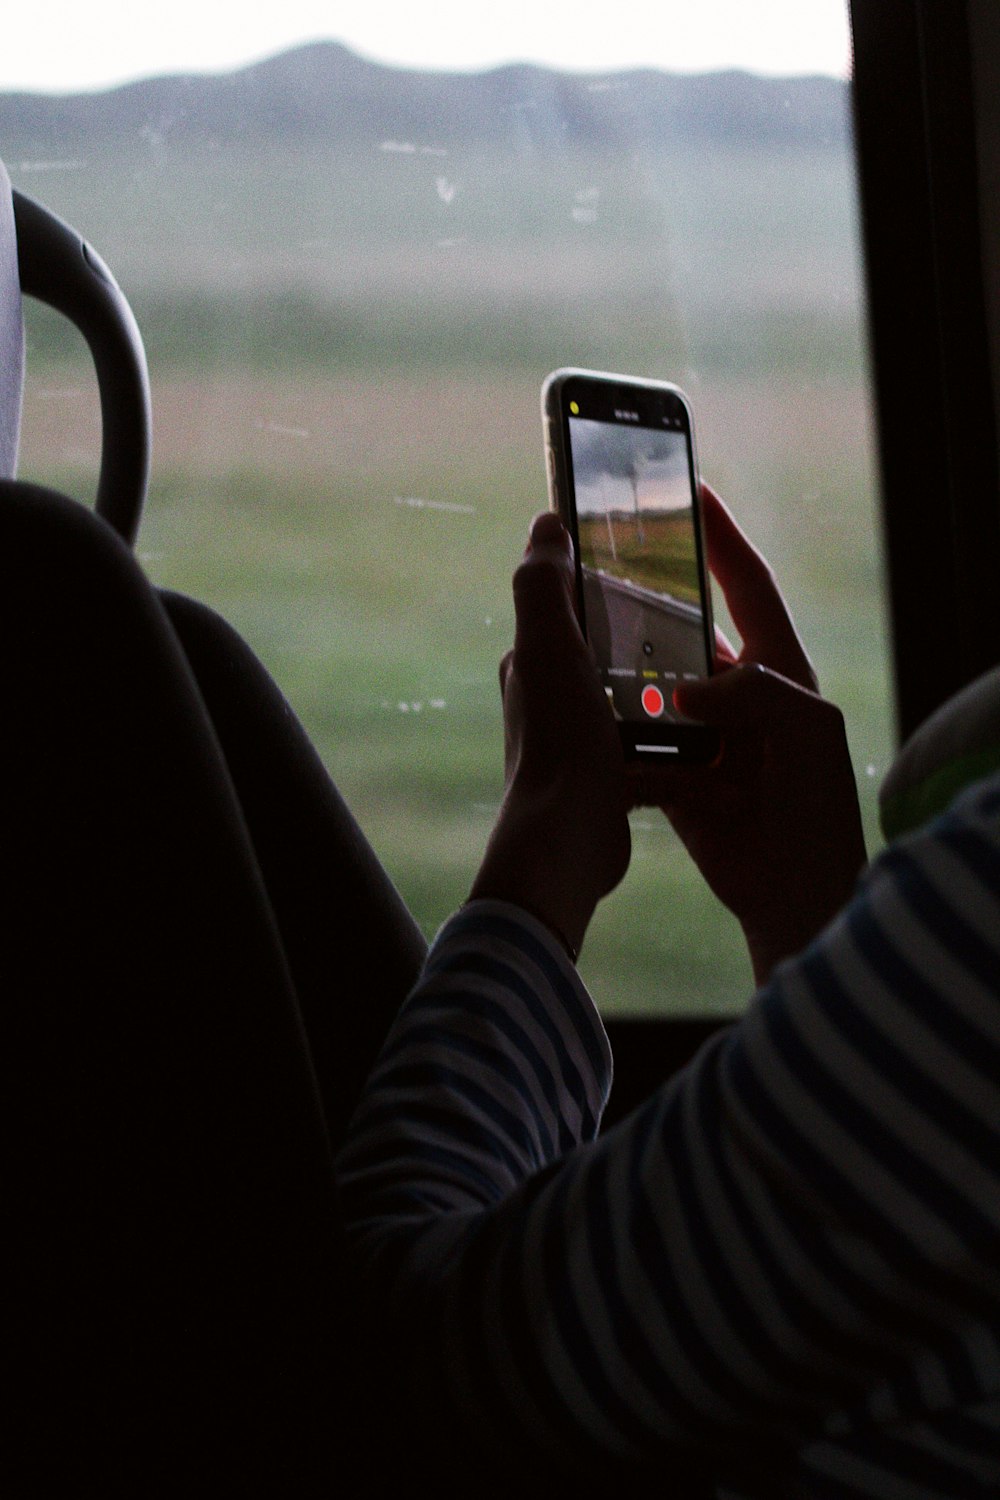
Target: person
<point>778,1275</point>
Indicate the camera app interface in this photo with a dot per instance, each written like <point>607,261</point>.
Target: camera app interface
<point>639,556</point>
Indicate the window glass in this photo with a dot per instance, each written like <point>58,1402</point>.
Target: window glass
<point>352,281</point>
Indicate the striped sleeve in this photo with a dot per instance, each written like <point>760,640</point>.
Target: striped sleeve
<point>497,1066</point>
<point>793,1241</point>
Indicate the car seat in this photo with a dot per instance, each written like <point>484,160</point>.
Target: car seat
<point>203,954</point>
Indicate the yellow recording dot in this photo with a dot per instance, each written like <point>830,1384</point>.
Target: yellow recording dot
<point>574,407</point>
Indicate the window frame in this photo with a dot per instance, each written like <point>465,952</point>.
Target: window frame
<point>917,160</point>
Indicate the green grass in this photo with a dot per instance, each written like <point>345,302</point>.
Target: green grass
<point>384,623</point>
<point>660,556</point>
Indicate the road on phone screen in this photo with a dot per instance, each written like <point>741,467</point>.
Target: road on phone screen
<point>655,637</point>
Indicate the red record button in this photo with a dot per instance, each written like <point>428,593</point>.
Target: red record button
<point>653,701</point>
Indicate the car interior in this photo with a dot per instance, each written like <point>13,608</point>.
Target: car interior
<point>145,739</point>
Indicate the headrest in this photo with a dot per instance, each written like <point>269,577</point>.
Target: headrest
<point>11,334</point>
<point>58,267</point>
<point>41,256</point>
<point>957,745</point>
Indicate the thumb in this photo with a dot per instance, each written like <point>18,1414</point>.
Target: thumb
<point>544,588</point>
<point>748,696</point>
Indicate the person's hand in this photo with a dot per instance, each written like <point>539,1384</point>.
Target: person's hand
<point>774,826</point>
<point>561,841</point>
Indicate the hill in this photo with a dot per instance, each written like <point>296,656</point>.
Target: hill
<point>319,205</point>
<point>323,93</point>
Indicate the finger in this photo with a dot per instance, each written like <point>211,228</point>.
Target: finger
<point>725,651</point>
<point>749,696</point>
<point>666,786</point>
<point>637,788</point>
<point>548,530</point>
<point>505,665</point>
<point>544,589</point>
<point>755,602</point>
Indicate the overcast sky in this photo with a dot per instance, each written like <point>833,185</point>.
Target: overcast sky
<point>83,44</point>
<point>607,456</point>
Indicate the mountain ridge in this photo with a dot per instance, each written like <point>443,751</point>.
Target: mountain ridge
<point>322,92</point>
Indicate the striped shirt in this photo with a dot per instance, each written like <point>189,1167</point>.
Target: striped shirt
<point>787,1260</point>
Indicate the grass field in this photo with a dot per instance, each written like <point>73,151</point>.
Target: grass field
<point>657,552</point>
<point>348,453</point>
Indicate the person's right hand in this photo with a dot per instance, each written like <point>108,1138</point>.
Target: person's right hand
<point>561,841</point>
<point>774,826</point>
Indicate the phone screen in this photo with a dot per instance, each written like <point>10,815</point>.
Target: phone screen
<point>630,467</point>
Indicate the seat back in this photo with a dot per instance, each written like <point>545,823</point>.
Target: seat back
<point>171,1200</point>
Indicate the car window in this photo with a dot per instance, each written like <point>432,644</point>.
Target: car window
<point>352,279</point>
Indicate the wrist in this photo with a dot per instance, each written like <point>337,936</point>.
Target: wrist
<point>566,917</point>
<point>534,868</point>
<point>767,951</point>
<point>771,938</point>
<point>559,937</point>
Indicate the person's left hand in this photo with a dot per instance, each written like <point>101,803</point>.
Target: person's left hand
<point>774,826</point>
<point>561,841</point>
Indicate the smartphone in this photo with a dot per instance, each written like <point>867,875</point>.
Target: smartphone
<point>623,475</point>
